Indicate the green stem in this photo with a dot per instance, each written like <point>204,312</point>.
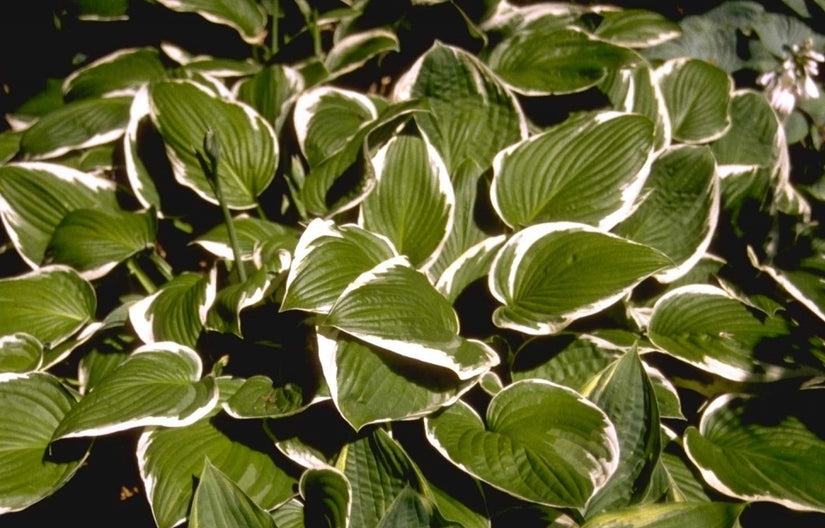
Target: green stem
<point>162,266</point>
<point>273,44</point>
<point>233,235</point>
<point>141,276</point>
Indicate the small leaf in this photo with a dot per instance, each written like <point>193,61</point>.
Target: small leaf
<point>259,397</point>
<point>326,260</point>
<point>177,311</point>
<point>33,406</point>
<point>759,450</point>
<point>77,125</point>
<point>20,353</point>
<point>271,92</point>
<point>587,170</point>
<point>119,73</point>
<point>542,443</point>
<point>9,145</point>
<point>327,497</point>
<point>159,384</point>
<point>93,242</point>
<point>394,307</point>
<point>247,17</point>
<point>697,95</point>
<point>353,51</point>
<point>50,304</point>
<point>250,231</point>
<point>557,61</point>
<point>704,326</point>
<point>634,90</point>
<point>183,111</point>
<point>671,515</point>
<point>636,28</point>
<point>549,275</point>
<point>473,115</point>
<point>472,265</point>
<point>218,501</point>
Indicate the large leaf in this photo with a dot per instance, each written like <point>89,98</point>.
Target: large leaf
<point>326,260</point>
<point>624,392</point>
<point>697,95</point>
<point>636,28</point>
<point>49,304</point>
<point>549,275</point>
<point>586,170</point>
<point>93,242</point>
<point>169,460</point>
<point>671,515</point>
<point>679,209</point>
<point>371,385</point>
<point>183,112</point>
<point>558,61</point>
<point>177,311</point>
<point>412,203</point>
<point>119,73</point>
<point>77,125</point>
<point>159,384</point>
<point>247,17</point>
<point>34,198</point>
<point>704,326</point>
<point>759,449</point>
<point>33,405</point>
<point>473,115</point>
<point>542,442</point>
<point>218,501</point>
<point>394,307</point>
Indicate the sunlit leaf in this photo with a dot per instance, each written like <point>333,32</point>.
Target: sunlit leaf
<point>270,92</point>
<point>671,515</point>
<point>542,442</point>
<point>551,274</point>
<point>636,28</point>
<point>120,73</point>
<point>353,51</point>
<point>474,264</point>
<point>250,232</point>
<point>33,405</point>
<point>247,17</point>
<point>259,397</point>
<point>218,501</point>
<point>9,144</point>
<point>566,359</point>
<point>587,170</point>
<point>635,90</point>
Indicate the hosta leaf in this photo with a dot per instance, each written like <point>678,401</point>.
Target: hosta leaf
<point>270,92</point>
<point>804,284</point>
<point>408,509</point>
<point>119,73</point>
<point>9,145</point>
<point>326,118</point>
<point>250,232</point>
<point>542,442</point>
<point>684,486</point>
<point>679,209</point>
<point>247,17</point>
<point>177,311</point>
<point>473,115</point>
<point>371,385</point>
<point>394,307</point>
<point>93,242</point>
<point>326,260</point>
<point>183,112</point>
<point>549,275</point>
<point>101,10</point>
<point>77,125</point>
<point>697,95</point>
<point>378,470</point>
<point>218,501</point>
<point>704,326</point>
<point>412,203</point>
<point>353,51</point>
<point>667,398</point>
<point>558,61</point>
<point>327,497</point>
<point>30,469</point>
<point>634,90</point>
<point>636,28</point>
<point>34,198</point>
<point>103,358</point>
<point>586,170</point>
<point>760,450</point>
<point>140,179</point>
<point>20,353</point>
<point>474,264</point>
<point>259,397</point>
<point>50,304</point>
<point>671,515</point>
<point>169,460</point>
<point>159,384</point>
<point>221,67</point>
<point>290,515</point>
<point>624,392</point>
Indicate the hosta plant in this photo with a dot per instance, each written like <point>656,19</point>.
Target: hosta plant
<point>546,264</point>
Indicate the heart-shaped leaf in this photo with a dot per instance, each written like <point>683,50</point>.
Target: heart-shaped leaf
<point>218,501</point>
<point>757,449</point>
<point>118,73</point>
<point>472,114</point>
<point>412,203</point>
<point>33,406</point>
<point>587,170</point>
<point>50,304</point>
<point>247,17</point>
<point>159,384</point>
<point>34,198</point>
<point>183,112</point>
<point>542,442</point>
<point>394,307</point>
<point>549,275</point>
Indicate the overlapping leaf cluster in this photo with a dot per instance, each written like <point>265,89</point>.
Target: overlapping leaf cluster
<point>435,305</point>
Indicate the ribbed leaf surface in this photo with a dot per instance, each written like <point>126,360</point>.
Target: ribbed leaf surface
<point>327,498</point>
<point>218,501</point>
<point>270,92</point>
<point>636,28</point>
<point>247,17</point>
<point>671,515</point>
<point>121,72</point>
<point>353,51</point>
